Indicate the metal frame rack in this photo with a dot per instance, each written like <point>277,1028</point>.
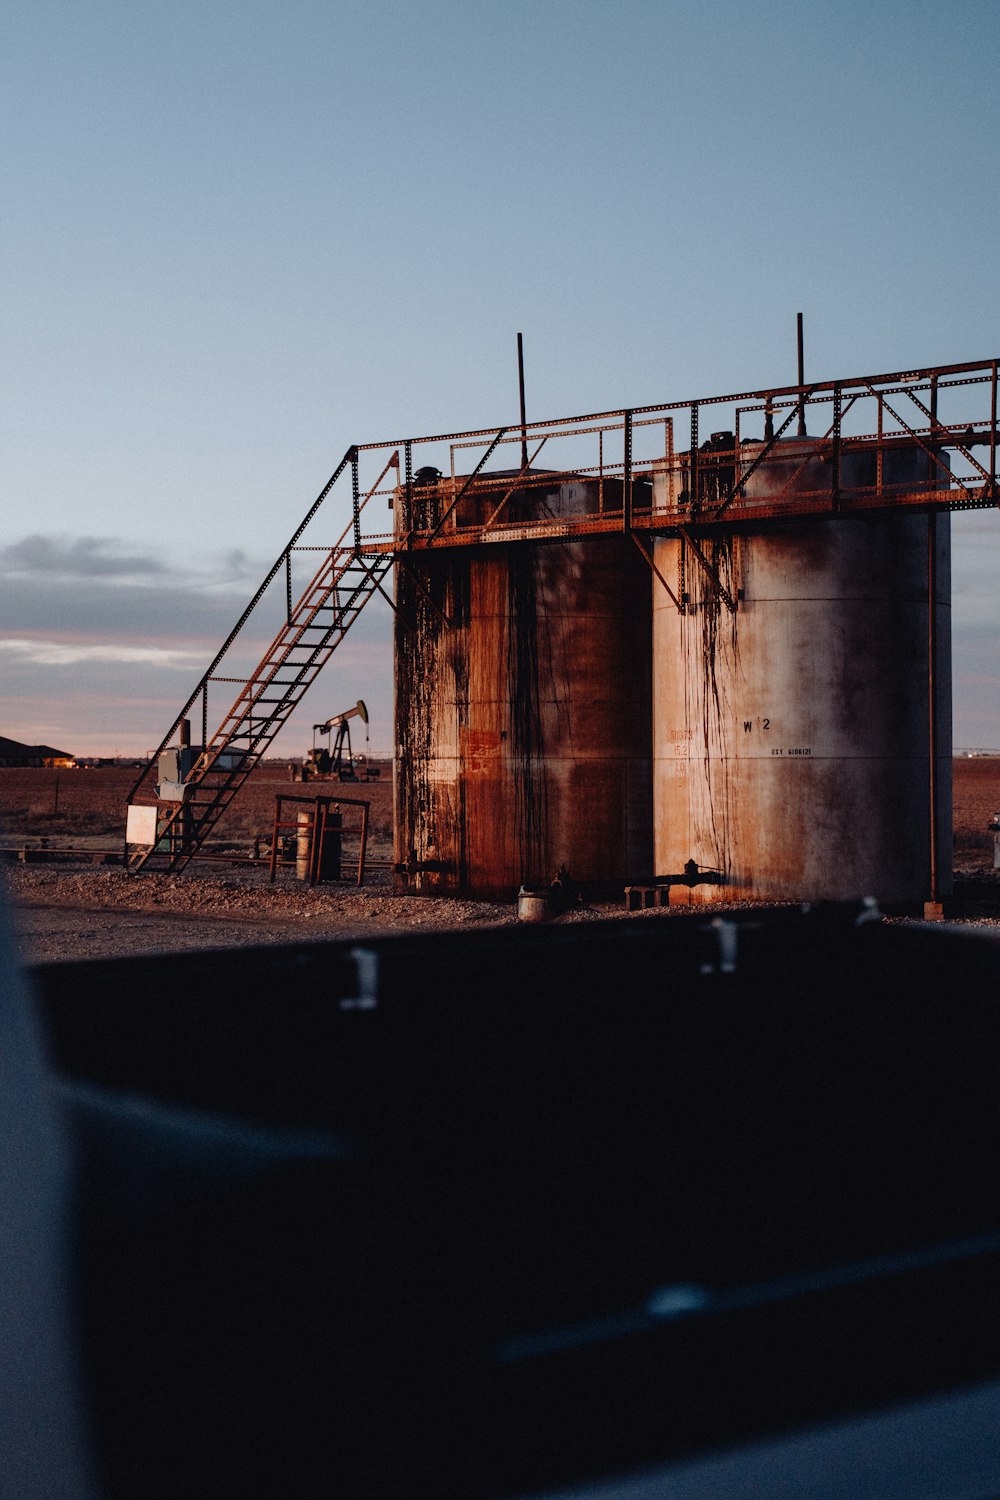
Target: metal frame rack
<point>315,820</point>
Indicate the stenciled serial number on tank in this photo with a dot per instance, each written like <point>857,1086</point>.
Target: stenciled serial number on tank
<point>764,726</point>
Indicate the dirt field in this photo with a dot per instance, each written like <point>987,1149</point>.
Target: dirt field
<point>56,805</point>
<point>976,802</point>
<point>70,910</point>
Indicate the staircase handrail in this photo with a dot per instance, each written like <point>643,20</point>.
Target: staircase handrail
<point>244,617</point>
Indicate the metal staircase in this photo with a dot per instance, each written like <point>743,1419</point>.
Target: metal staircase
<point>312,630</point>
<point>304,644</point>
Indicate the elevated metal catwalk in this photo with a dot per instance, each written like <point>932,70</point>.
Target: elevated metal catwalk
<point>453,500</point>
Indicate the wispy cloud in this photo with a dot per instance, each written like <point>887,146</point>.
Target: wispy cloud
<point>102,590</point>
<point>76,557</point>
<point>111,560</point>
<point>48,653</point>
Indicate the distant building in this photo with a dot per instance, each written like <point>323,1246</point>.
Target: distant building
<point>13,753</point>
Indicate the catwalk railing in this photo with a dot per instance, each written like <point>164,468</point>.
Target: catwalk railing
<point>653,468</point>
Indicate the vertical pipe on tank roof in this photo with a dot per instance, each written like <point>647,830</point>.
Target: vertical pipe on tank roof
<point>801,430</point>
<point>520,385</point>
<point>932,718</point>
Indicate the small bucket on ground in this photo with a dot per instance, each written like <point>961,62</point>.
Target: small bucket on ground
<point>536,903</point>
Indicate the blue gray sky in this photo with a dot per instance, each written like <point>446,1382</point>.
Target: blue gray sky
<point>239,237</point>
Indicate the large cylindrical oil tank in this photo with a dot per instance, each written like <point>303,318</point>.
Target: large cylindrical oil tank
<point>522,708</point>
<point>793,731</point>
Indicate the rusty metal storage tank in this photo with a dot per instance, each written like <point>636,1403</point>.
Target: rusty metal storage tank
<point>792,739</point>
<point>522,707</point>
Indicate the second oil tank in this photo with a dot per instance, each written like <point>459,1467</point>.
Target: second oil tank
<point>792,707</point>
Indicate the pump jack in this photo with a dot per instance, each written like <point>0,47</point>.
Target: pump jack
<point>336,761</point>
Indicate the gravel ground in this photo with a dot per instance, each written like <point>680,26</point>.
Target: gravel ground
<point>65,912</point>
<point>69,911</point>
